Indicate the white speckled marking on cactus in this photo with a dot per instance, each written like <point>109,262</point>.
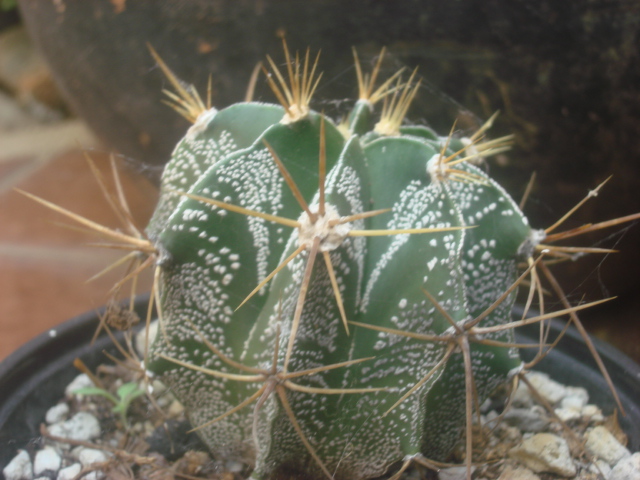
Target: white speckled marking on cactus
<point>411,211</point>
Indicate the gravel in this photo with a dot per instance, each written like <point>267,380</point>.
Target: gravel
<point>528,441</point>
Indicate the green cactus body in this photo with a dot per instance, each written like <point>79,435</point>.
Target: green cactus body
<point>211,258</point>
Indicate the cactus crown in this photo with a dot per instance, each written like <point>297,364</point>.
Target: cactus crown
<point>361,277</point>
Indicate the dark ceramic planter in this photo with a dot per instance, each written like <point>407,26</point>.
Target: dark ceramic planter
<point>34,377</point>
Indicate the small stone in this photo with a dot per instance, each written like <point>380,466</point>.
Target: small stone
<point>486,406</point>
<point>568,414</point>
<point>82,426</point>
<point>57,413</point>
<point>576,397</point>
<point>69,472</point>
<point>159,388</point>
<point>545,452</point>
<point>592,413</point>
<point>626,469</point>
<point>47,460</point>
<point>76,451</point>
<point>81,381</point>
<point>192,462</point>
<point>586,475</point>
<point>517,473</point>
<point>527,419</point>
<point>522,396</point>
<point>601,443</point>
<point>95,475</point>
<point>233,466</point>
<point>454,473</point>
<point>491,419</point>
<point>175,409</point>
<point>19,468</point>
<point>89,456</point>
<point>549,389</point>
<point>141,337</point>
<point>511,434</point>
<point>572,403</point>
<point>600,467</point>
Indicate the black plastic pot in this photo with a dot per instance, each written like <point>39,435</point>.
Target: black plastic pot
<point>34,377</point>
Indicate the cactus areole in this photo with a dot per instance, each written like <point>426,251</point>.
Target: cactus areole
<point>323,288</point>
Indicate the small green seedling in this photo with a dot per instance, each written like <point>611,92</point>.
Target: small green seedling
<point>125,394</point>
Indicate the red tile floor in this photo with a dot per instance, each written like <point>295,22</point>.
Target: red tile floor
<point>44,266</point>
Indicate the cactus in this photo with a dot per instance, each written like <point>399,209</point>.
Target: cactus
<point>356,360</point>
<point>334,300</point>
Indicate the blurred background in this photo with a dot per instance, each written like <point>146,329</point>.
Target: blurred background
<point>77,77</point>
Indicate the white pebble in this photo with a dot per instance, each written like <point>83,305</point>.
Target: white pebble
<point>81,381</point>
<point>175,409</point>
<point>233,466</point>
<point>69,472</point>
<point>545,452</point>
<point>519,473</point>
<point>627,469</point>
<point>453,473</point>
<point>527,419</point>
<point>601,443</point>
<point>76,451</point>
<point>82,426</point>
<point>576,396</point>
<point>600,467</point>
<point>89,459</point>
<point>47,459</point>
<point>89,456</point>
<point>158,388</point>
<point>573,402</point>
<point>95,475</point>
<point>522,396</point>
<point>568,414</point>
<point>19,468</point>
<point>592,413</point>
<point>550,390</point>
<point>57,413</point>
<point>141,337</point>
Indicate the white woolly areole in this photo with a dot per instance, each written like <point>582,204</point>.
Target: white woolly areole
<point>331,236</point>
<point>295,113</point>
<point>471,151</point>
<point>436,168</point>
<point>534,239</point>
<point>201,123</point>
